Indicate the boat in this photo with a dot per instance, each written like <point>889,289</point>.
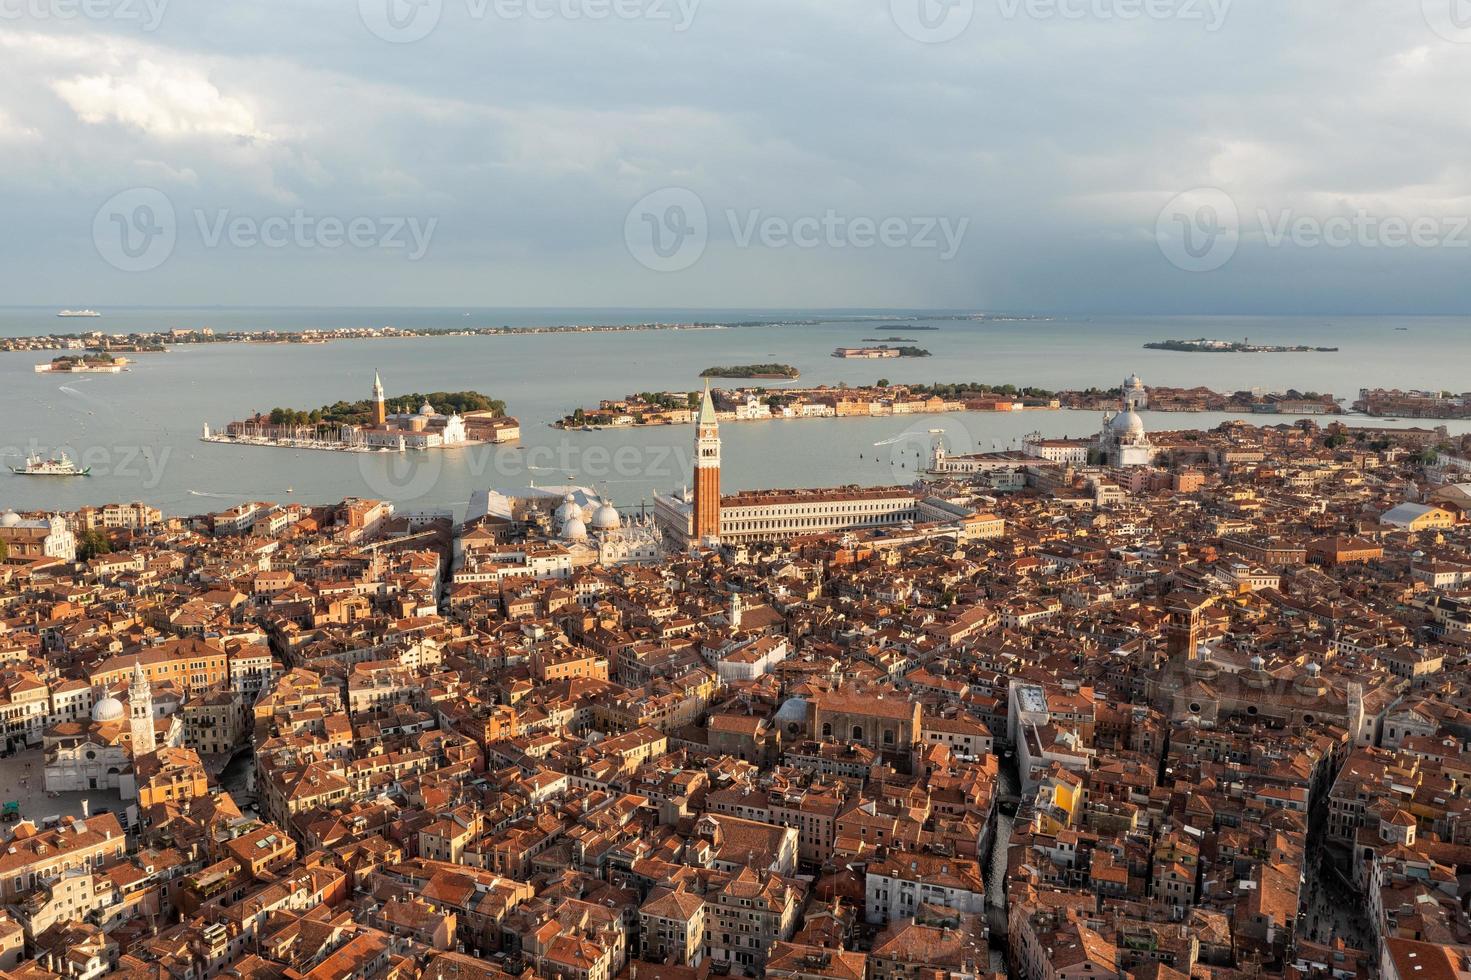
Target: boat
<point>60,466</point>
<point>290,489</point>
<point>79,313</point>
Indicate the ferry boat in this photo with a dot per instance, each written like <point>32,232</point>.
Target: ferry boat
<point>61,466</point>
<point>79,313</point>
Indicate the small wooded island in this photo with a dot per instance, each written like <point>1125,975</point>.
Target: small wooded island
<point>768,371</point>
<point>1204,346</point>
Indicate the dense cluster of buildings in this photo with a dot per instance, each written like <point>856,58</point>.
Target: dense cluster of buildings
<point>1391,402</point>
<point>762,403</point>
<point>1203,711</point>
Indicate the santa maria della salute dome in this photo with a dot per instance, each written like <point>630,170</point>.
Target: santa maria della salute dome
<point>1124,441</point>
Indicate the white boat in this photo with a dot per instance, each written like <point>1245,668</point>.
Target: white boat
<point>79,313</point>
<point>60,466</point>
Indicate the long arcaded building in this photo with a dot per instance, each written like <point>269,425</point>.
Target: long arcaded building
<point>703,515</point>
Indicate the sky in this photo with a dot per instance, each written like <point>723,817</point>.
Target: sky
<point>1068,156</point>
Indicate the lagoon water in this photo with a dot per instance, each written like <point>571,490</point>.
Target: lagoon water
<point>140,430</point>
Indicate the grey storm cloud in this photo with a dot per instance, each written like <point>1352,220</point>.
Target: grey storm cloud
<point>1057,155</point>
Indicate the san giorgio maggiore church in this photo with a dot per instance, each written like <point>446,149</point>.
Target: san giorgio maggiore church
<point>100,753</point>
<point>424,429</point>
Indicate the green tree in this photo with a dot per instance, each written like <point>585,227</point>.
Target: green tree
<point>93,543</point>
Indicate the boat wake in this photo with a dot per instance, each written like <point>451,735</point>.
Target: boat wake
<point>217,496</point>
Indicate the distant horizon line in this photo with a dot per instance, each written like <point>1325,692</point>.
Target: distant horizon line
<point>763,310</point>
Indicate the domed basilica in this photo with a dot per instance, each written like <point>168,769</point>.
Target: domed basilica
<point>1123,440</point>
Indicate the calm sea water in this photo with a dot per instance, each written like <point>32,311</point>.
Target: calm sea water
<point>139,430</point>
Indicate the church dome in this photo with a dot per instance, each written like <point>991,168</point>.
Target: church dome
<point>574,530</point>
<point>1133,382</point>
<point>569,510</point>
<point>11,519</point>
<point>606,519</point>
<point>426,409</point>
<point>1127,423</point>
<point>108,709</point>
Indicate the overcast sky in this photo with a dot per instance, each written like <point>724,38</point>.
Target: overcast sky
<point>1049,155</point>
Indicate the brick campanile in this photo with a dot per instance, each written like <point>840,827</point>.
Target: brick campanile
<point>380,415</point>
<point>707,472</point>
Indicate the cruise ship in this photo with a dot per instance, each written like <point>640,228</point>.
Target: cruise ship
<point>60,466</point>
<point>79,313</point>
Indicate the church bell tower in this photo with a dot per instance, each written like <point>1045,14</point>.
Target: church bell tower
<point>707,473</point>
<point>380,414</point>
<point>140,713</point>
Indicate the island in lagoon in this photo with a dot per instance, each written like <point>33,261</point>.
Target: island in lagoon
<point>755,371</point>
<point>876,353</point>
<point>363,412</point>
<point>440,420</point>
<point>1202,345</point>
<point>84,364</point>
